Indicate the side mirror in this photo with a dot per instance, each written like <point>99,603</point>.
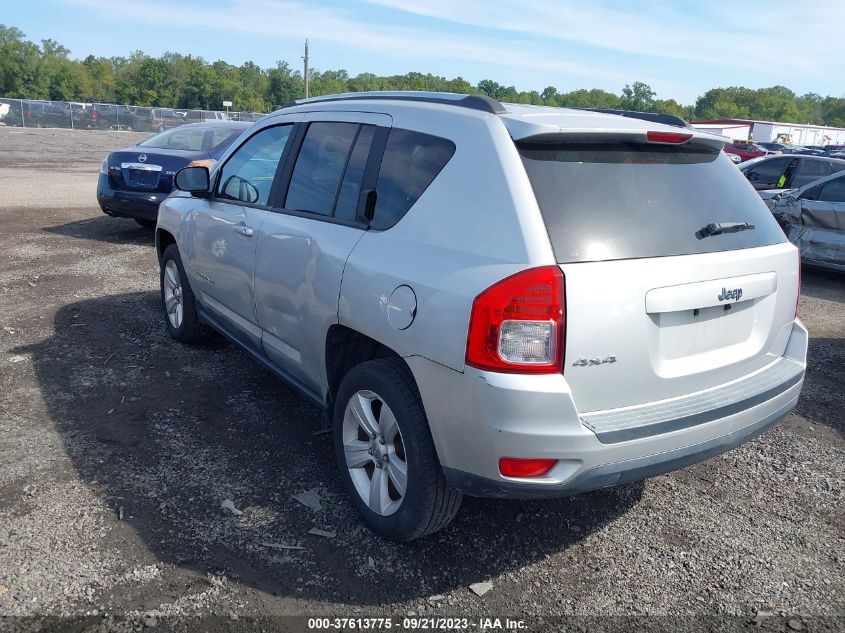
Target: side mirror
<point>194,180</point>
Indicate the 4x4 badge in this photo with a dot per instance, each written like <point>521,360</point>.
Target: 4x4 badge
<point>584,362</point>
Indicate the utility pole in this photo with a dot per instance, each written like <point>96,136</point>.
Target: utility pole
<point>305,75</point>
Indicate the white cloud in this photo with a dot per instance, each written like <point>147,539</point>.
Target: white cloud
<point>534,43</point>
<point>286,18</point>
<point>756,34</point>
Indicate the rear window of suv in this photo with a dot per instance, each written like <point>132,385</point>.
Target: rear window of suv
<point>614,201</point>
<point>412,160</point>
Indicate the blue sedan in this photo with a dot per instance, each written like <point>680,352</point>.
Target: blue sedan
<point>135,180</point>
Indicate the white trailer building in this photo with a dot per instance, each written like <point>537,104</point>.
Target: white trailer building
<point>774,132</point>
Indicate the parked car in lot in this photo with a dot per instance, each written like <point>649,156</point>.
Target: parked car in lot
<point>777,148</point>
<point>156,119</point>
<point>107,116</point>
<point>493,300</point>
<point>771,174</point>
<point>192,116</point>
<point>4,110</point>
<point>37,114</point>
<point>746,151</point>
<point>135,180</point>
<point>813,218</point>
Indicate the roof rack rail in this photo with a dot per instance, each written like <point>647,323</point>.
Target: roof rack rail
<point>654,117</point>
<point>473,102</point>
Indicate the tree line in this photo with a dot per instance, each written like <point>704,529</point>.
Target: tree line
<point>46,71</point>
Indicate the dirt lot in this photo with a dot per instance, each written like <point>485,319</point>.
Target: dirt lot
<point>117,447</point>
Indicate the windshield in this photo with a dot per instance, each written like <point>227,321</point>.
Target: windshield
<point>628,200</point>
<point>192,139</point>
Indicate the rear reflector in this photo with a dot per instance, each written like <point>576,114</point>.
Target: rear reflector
<point>673,138</point>
<point>515,467</point>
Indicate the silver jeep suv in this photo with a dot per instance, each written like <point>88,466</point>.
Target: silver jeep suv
<point>492,300</point>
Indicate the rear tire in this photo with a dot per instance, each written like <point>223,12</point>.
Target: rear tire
<point>177,299</point>
<point>426,502</point>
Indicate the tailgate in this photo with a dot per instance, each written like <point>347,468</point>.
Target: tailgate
<point>675,325</point>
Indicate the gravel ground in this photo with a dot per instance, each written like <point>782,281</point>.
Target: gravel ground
<point>117,447</point>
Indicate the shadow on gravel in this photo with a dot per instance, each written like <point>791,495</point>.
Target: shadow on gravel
<point>106,229</point>
<point>823,396</point>
<point>821,283</point>
<point>167,432</point>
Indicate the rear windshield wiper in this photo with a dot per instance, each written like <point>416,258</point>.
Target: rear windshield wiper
<point>717,228</point>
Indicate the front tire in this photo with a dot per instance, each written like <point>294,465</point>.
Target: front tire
<point>177,299</point>
<point>385,453</point>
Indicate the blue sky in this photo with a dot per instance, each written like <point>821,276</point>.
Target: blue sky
<point>679,47</point>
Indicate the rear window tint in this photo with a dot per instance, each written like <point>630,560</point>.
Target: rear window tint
<point>411,162</point>
<point>627,200</point>
<point>319,167</point>
<point>810,170</point>
<point>350,189</point>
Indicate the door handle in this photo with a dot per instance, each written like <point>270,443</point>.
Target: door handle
<point>243,229</point>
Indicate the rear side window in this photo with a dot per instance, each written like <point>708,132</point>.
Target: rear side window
<point>629,200</point>
<point>411,162</point>
<point>319,167</point>
<point>833,191</point>
<point>810,170</point>
<point>350,189</point>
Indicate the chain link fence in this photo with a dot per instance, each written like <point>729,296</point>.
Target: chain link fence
<point>107,116</point>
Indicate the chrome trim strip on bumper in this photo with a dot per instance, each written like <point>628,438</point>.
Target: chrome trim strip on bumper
<point>140,166</point>
<point>621,425</point>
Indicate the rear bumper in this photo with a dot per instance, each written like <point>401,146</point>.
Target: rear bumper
<point>141,205</point>
<point>477,417</point>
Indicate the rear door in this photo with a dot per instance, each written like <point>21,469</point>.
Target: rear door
<point>822,231</point>
<point>656,307</point>
<point>305,241</point>
<point>225,231</point>
<point>770,173</point>
<point>809,170</point>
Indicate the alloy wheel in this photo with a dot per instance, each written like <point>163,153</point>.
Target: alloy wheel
<point>375,453</point>
<point>173,294</point>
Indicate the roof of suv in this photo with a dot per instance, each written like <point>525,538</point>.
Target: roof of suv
<point>522,120</point>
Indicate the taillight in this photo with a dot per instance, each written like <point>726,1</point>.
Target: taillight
<point>94,114</point>
<point>518,324</point>
<point>515,467</point>
<point>798,297</point>
<point>673,138</point>
<point>104,166</point>
<point>203,162</point>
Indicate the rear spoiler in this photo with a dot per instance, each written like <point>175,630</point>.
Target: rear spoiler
<point>687,137</point>
<point>654,117</point>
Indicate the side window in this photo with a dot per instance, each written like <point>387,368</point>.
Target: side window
<point>248,174</point>
<point>350,188</point>
<point>411,162</point>
<point>810,170</point>
<point>319,167</point>
<point>768,171</point>
<point>833,191</point>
